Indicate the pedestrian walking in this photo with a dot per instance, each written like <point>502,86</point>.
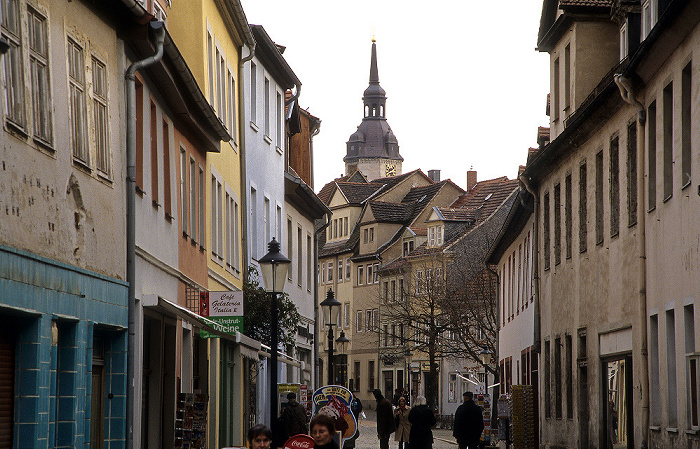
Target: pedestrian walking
<point>323,432</point>
<point>422,420</point>
<point>385,419</point>
<point>294,416</point>
<point>469,423</point>
<point>403,427</point>
<point>259,437</point>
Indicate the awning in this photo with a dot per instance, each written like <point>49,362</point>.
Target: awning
<point>281,357</point>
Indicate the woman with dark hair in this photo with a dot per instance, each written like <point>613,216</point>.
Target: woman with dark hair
<point>422,419</point>
<point>259,437</point>
<point>322,431</point>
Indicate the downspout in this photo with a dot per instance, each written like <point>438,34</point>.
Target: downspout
<point>535,266</point>
<point>317,233</point>
<point>243,169</point>
<point>627,94</point>
<point>294,97</point>
<point>159,29</point>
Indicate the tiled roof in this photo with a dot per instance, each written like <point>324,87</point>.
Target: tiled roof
<point>486,195</point>
<point>391,212</point>
<point>342,246</point>
<point>422,193</point>
<point>356,192</point>
<point>456,214</point>
<point>419,231</point>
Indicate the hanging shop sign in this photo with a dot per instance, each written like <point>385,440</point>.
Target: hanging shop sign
<point>223,310</point>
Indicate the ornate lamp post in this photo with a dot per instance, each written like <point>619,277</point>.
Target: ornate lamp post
<point>330,304</point>
<point>485,355</point>
<point>273,267</point>
<point>342,342</point>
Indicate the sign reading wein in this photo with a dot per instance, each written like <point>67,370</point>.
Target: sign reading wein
<point>224,311</point>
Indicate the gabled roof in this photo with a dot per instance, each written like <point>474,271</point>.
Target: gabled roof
<point>357,193</point>
<point>391,212</point>
<point>486,195</point>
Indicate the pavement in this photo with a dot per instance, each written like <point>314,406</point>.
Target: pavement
<point>442,438</point>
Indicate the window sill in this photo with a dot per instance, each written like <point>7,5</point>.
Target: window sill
<point>253,126</point>
<point>692,432</point>
<point>686,185</point>
<point>44,145</point>
<point>279,150</point>
<point>668,198</point>
<point>15,129</point>
<point>169,217</point>
<point>84,167</point>
<point>155,203</point>
<point>202,249</point>
<point>655,428</point>
<point>140,191</point>
<point>672,429</point>
<point>104,178</point>
<point>267,139</point>
<point>651,209</point>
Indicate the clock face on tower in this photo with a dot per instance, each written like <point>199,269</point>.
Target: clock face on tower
<point>390,170</point>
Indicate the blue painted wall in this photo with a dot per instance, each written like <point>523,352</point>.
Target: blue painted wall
<point>58,310</point>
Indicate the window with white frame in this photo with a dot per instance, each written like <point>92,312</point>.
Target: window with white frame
<point>358,321</point>
<point>693,370</point>
<point>309,262</point>
<point>232,257</point>
<point>266,103</point>
<point>232,105</point>
<point>346,314</point>
<point>419,282</point>
<point>193,199</point>
<point>220,85</point>
<point>210,66</point>
<point>267,223</point>
<point>330,271</point>
<point>368,320</point>
<point>100,116</point>
<point>39,73</point>
<point>253,93</point>
<point>217,219</point>
<point>77,102</point>
<point>360,275</point>
<point>623,40</point>
<point>348,268</point>
<point>370,275</point>
<point>300,256</point>
<point>278,121</point>
<point>322,273</point>
<point>375,319</point>
<point>184,190</point>
<point>340,270</point>
<point>202,209</point>
<point>375,277</point>
<point>14,73</point>
<point>278,224</point>
<point>650,12</point>
<point>254,219</point>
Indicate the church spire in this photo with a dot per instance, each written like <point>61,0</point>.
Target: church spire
<point>373,148</point>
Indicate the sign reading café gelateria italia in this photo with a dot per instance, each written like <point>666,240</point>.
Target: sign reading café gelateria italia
<point>223,311</point>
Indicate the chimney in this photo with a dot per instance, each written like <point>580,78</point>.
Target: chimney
<point>471,180</point>
<point>434,175</point>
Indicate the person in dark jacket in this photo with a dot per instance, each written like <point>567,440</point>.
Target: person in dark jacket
<point>469,423</point>
<point>323,432</point>
<point>294,415</point>
<point>385,419</point>
<point>422,420</point>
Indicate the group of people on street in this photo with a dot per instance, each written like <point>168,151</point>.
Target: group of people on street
<point>411,426</point>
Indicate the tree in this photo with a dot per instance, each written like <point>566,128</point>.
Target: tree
<point>256,319</point>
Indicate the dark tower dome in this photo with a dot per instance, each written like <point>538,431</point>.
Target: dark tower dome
<point>373,138</point>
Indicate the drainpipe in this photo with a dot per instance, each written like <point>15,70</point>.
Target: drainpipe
<point>294,97</point>
<point>535,265</point>
<point>159,29</point>
<point>243,169</point>
<point>627,94</point>
<point>317,233</point>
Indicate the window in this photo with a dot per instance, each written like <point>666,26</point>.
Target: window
<point>568,230</point>
<point>375,278</point>
<point>555,90</point>
<point>557,224</point>
<point>654,368</point>
<point>232,106</point>
<point>154,153</point>
<point>76,81</point>
<point>614,187</point>
<point>139,136</point>
<point>322,273</point>
<point>692,366</point>
<point>393,290</point>
<point>567,77</point>
<point>370,383</point>
<point>370,275</point>
<point>547,384</point>
<point>340,270</point>
<point>278,121</point>
<point>266,102</point>
<point>309,262</point>
<point>334,229</point>
<point>368,320</point>
<point>650,10</point>
<point>686,87</point>
<point>100,114</point>
<point>371,235</point>
<point>632,174</point>
<point>569,372</point>
<point>401,290</point>
<point>14,83</point>
<point>419,282</point>
<point>210,66</point>
<point>167,194</point>
<point>385,336</point>
<point>623,40</point>
<point>290,247</point>
<point>651,156</point>
<point>375,319</point>
<point>39,72</point>
<point>545,232</point>
<point>365,234</point>
<point>300,256</point>
<point>330,271</point>
<point>184,190</point>
<point>231,231</point>
<point>203,210</point>
<point>267,218</point>
<point>347,269</point>
<point>360,274</point>
<point>599,212</point>
<point>668,140</point>
<point>221,86</point>
<point>193,199</point>
<point>278,224</point>
<point>358,321</point>
<point>407,247</point>
<point>386,291</point>
<point>253,94</point>
<point>345,225</point>
<point>216,218</point>
<point>671,387</point>
<point>356,375</point>
<point>346,314</point>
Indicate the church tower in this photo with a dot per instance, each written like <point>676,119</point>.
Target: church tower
<point>373,148</point>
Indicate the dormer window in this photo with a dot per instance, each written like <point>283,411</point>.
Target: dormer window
<point>435,235</point>
<point>408,247</point>
<point>650,9</point>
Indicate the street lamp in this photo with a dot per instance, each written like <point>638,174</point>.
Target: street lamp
<point>330,304</point>
<point>273,267</point>
<point>485,355</point>
<point>342,344</point>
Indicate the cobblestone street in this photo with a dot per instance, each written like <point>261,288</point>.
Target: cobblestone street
<point>368,436</point>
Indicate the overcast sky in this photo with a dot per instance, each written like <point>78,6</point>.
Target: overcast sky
<point>465,86</point>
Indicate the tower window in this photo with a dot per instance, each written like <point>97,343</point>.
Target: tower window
<point>366,111</point>
<point>381,110</point>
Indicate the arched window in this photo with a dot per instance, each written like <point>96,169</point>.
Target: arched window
<point>366,111</point>
<point>381,110</point>
<point>374,110</point>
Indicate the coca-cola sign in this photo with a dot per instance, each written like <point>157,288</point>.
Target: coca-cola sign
<point>300,441</point>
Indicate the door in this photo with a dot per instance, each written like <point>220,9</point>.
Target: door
<point>617,407</point>
<point>388,384</point>
<point>7,384</point>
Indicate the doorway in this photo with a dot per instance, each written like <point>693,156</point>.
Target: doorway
<point>617,403</point>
